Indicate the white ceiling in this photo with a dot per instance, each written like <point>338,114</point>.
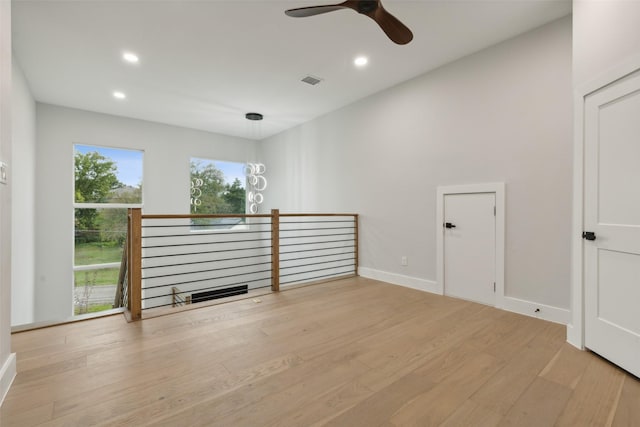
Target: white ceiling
<point>204,64</point>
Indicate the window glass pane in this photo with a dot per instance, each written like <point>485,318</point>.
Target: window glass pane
<point>99,235</point>
<point>217,188</point>
<point>94,290</point>
<point>107,175</point>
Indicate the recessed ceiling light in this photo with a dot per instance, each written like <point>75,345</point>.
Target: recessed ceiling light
<point>361,61</point>
<point>130,57</point>
<point>119,95</point>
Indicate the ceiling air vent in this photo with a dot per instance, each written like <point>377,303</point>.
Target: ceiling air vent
<point>311,80</point>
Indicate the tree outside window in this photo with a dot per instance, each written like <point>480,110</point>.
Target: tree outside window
<point>217,187</point>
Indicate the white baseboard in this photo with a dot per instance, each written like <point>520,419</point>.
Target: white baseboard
<point>528,308</point>
<point>399,279</point>
<point>7,374</point>
<point>546,312</point>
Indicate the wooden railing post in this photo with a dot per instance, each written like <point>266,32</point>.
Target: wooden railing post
<point>275,250</point>
<point>135,263</point>
<point>355,240</point>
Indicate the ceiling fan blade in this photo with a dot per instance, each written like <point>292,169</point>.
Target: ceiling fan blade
<point>393,28</point>
<point>302,12</point>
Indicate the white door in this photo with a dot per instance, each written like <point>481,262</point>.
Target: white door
<point>470,246</point>
<point>612,213</point>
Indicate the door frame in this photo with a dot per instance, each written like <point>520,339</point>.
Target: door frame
<point>575,329</point>
<point>498,188</point>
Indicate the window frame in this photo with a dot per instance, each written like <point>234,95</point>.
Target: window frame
<point>99,205</point>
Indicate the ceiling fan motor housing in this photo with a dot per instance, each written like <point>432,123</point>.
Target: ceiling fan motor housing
<point>367,6</point>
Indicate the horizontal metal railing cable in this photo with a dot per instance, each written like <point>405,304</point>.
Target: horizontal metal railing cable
<point>193,226</point>
<point>186,259</point>
<point>217,287</point>
<point>196,290</point>
<point>204,233</point>
<point>311,264</point>
<point>282,230</point>
<point>203,262</point>
<point>205,252</point>
<point>204,243</point>
<point>313,250</point>
<point>318,256</point>
<point>315,235</point>
<point>318,277</point>
<point>317,269</point>
<point>205,258</point>
<point>209,270</point>
<point>327,241</point>
<point>317,247</point>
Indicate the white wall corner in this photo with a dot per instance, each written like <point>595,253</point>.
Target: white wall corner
<point>574,337</point>
<point>7,374</point>
<point>399,279</point>
<point>545,312</point>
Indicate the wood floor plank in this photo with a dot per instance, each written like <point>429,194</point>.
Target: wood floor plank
<point>353,352</point>
<point>540,405</point>
<point>437,404</point>
<point>595,395</point>
<point>255,403</point>
<point>32,417</point>
<point>135,406</point>
<point>271,409</point>
<point>628,409</point>
<point>383,404</point>
<point>567,366</point>
<point>63,385</point>
<point>513,342</point>
<point>506,387</point>
<point>470,414</point>
<point>333,402</point>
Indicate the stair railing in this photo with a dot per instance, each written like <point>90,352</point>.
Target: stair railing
<point>296,248</point>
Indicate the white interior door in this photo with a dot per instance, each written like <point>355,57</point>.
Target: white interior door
<point>612,213</point>
<point>470,246</point>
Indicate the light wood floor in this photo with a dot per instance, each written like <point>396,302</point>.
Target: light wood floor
<point>353,352</point>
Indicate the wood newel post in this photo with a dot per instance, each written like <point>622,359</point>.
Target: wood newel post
<point>275,250</point>
<point>135,263</point>
<point>355,240</point>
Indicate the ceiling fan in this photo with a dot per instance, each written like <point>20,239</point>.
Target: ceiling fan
<point>393,28</point>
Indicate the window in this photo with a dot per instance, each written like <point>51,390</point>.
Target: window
<point>108,181</point>
<point>217,187</point>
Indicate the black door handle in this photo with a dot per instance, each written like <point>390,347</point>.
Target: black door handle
<point>449,225</point>
<point>589,235</point>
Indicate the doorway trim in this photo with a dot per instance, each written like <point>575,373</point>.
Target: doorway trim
<point>498,188</point>
<point>575,329</point>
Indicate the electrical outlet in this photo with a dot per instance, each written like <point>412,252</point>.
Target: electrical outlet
<point>404,261</point>
<point>3,173</point>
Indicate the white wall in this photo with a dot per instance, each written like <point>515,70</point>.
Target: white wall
<point>7,359</point>
<point>501,115</point>
<point>166,183</point>
<point>23,192</point>
<point>606,34</point>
